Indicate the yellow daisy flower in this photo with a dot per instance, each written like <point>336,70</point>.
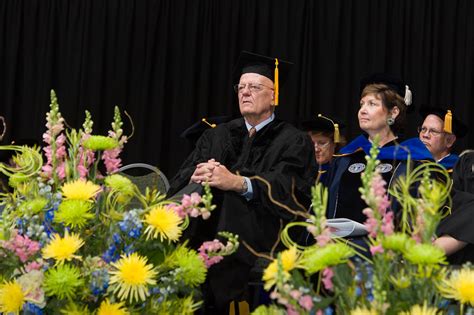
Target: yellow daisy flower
<point>421,310</point>
<point>289,260</point>
<point>63,248</point>
<point>107,308</point>
<point>11,297</point>
<point>80,190</point>
<point>132,276</point>
<point>163,222</point>
<point>459,286</point>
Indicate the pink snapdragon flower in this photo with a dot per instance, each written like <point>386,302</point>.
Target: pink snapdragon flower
<point>86,158</point>
<point>208,252</point>
<point>378,190</point>
<point>61,151</point>
<point>376,249</point>
<point>111,160</point>
<point>53,133</point>
<point>22,246</point>
<point>111,157</point>
<point>191,200</point>
<point>190,204</point>
<point>178,209</point>
<point>34,265</point>
<point>61,170</point>
<point>290,310</point>
<point>324,238</point>
<point>371,224</point>
<point>327,279</point>
<point>306,302</point>
<point>387,223</point>
<point>295,294</point>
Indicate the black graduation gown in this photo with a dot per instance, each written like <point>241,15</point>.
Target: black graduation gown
<point>460,223</point>
<point>280,154</point>
<point>344,200</point>
<point>344,176</point>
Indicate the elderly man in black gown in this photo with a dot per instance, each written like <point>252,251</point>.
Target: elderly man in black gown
<point>256,165</point>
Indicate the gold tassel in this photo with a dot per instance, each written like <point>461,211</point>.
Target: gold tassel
<point>337,134</point>
<point>207,123</point>
<point>277,84</point>
<point>448,122</point>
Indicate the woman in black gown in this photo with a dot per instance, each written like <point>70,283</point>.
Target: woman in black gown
<point>383,104</point>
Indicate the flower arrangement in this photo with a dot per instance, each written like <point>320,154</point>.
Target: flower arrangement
<point>404,273</point>
<point>72,243</point>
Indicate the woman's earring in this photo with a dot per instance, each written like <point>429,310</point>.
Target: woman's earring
<point>390,121</point>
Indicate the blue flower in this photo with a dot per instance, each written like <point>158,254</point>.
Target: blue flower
<point>129,249</point>
<point>99,281</point>
<point>117,239</point>
<point>32,309</point>
<point>111,254</point>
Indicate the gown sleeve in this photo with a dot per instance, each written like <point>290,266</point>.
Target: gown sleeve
<point>201,153</point>
<point>296,164</point>
<point>460,223</point>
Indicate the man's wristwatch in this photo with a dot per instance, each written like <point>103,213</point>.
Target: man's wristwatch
<point>245,186</point>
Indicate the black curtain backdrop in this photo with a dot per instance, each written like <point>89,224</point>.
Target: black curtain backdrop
<point>169,63</point>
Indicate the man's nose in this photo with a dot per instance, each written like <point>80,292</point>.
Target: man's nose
<point>425,133</point>
<point>246,90</point>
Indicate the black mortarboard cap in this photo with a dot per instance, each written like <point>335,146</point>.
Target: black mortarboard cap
<point>393,82</point>
<point>451,123</point>
<point>196,130</point>
<point>323,123</point>
<point>273,68</point>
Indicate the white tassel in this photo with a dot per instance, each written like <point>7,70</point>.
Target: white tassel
<point>408,96</point>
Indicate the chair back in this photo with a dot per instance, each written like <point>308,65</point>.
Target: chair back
<point>145,175</point>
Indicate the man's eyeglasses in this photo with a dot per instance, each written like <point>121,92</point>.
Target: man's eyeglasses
<point>431,132</point>
<point>253,87</point>
<point>321,145</point>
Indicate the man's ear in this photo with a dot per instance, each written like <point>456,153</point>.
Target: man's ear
<point>394,112</point>
<point>450,139</point>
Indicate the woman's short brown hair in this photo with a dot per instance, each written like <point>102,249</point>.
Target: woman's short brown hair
<point>389,99</point>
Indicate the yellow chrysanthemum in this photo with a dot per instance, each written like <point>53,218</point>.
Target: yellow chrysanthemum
<point>132,275</point>
<point>11,297</point>
<point>74,213</point>
<point>315,259</point>
<point>459,286</point>
<point>63,248</point>
<point>80,190</point>
<point>120,183</point>
<point>289,260</point>
<point>425,254</point>
<point>421,310</point>
<point>163,222</point>
<point>363,311</point>
<point>107,308</point>
<point>100,143</point>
